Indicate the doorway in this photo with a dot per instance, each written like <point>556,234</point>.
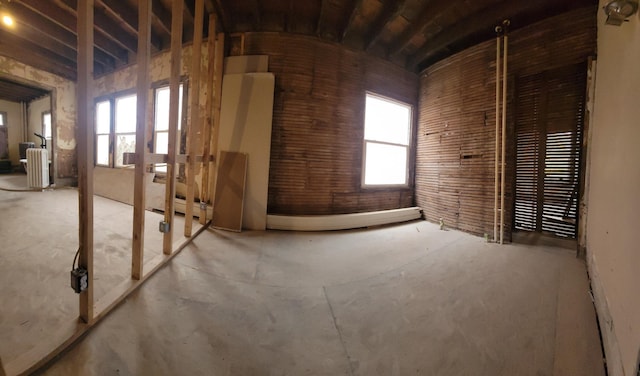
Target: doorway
<point>548,132</point>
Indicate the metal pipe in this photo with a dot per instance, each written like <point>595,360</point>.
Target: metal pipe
<point>496,156</point>
<point>505,25</point>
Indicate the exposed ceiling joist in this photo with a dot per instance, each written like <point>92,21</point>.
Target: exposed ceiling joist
<point>390,10</point>
<point>18,92</point>
<point>224,15</point>
<point>481,25</point>
<point>354,6</point>
<point>431,12</point>
<point>126,16</point>
<point>163,15</point>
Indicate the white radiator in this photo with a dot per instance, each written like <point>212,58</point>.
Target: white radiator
<point>37,168</point>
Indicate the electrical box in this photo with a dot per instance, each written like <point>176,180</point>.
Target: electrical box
<point>79,280</point>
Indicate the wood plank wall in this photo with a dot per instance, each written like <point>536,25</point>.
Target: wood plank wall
<point>316,147</point>
<point>456,125</point>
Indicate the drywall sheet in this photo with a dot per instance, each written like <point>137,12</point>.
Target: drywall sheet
<point>246,64</point>
<point>230,191</point>
<point>245,126</point>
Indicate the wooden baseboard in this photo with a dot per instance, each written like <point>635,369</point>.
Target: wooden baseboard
<point>341,221</point>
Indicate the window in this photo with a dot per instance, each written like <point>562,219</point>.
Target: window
<point>115,125</point>
<point>161,122</point>
<point>3,119</point>
<point>387,130</point>
<point>46,125</point>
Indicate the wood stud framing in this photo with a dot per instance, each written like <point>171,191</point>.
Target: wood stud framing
<point>85,153</point>
<point>144,57</point>
<point>195,125</point>
<point>208,124</point>
<point>174,84</point>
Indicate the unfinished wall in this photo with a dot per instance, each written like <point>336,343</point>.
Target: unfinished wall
<point>456,130</point>
<point>159,69</point>
<point>63,114</point>
<point>15,128</point>
<point>613,206</point>
<point>318,124</point>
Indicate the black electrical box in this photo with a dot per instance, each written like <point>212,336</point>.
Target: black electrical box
<point>79,280</point>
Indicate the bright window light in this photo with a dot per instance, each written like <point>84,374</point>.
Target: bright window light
<point>161,122</point>
<point>387,135</point>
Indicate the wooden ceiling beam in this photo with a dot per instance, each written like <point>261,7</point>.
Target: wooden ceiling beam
<point>188,19</point>
<point>105,25</point>
<point>430,13</point>
<point>390,10</point>
<point>36,56</point>
<point>163,15</point>
<point>320,25</point>
<point>353,5</point>
<point>126,16</point>
<point>224,15</point>
<point>482,22</point>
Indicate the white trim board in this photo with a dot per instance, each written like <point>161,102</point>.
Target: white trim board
<point>341,221</point>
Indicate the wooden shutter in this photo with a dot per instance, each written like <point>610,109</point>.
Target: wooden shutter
<point>549,122</point>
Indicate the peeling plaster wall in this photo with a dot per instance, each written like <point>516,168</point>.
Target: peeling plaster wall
<point>63,114</point>
<point>159,69</point>
<point>613,254</point>
<point>14,128</point>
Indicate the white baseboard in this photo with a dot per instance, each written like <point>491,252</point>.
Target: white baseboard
<point>341,221</point>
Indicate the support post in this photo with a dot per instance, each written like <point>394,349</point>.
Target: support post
<point>174,99</point>
<point>219,68</point>
<point>85,152</point>
<point>505,25</point>
<point>144,56</point>
<point>206,138</point>
<point>497,145</point>
<point>195,115</point>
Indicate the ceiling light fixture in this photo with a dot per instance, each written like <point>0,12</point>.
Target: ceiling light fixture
<point>618,11</point>
<point>7,20</point>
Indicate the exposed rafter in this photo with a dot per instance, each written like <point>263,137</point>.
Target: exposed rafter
<point>484,20</point>
<point>224,15</point>
<point>431,12</point>
<point>126,16</point>
<point>354,6</point>
<point>163,15</point>
<point>390,10</point>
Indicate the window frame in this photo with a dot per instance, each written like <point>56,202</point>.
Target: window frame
<point>111,98</point>
<point>408,147</point>
<point>182,121</point>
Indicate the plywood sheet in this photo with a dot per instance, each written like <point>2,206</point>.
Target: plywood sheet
<point>228,201</point>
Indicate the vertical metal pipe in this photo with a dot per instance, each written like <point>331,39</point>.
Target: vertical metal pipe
<point>504,129</point>
<point>497,146</point>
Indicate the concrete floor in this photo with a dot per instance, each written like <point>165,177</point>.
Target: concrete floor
<point>39,238</point>
<point>398,300</point>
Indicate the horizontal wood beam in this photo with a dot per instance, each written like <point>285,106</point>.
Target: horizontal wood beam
<point>163,15</point>
<point>430,13</point>
<point>35,55</point>
<point>154,158</point>
<point>51,19</point>
<point>482,22</point>
<point>127,17</point>
<point>390,10</point>
<point>354,5</point>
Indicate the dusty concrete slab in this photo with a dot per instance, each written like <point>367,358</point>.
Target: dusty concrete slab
<point>406,299</point>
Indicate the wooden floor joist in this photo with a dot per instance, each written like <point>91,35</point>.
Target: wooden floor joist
<point>144,57</point>
<point>194,126</point>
